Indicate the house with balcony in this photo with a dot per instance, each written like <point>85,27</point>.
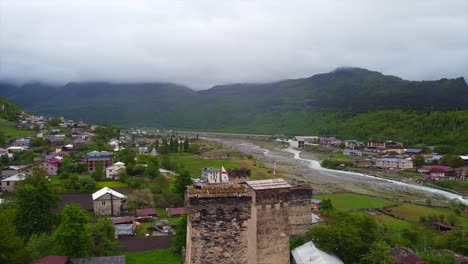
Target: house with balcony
<point>94,157</point>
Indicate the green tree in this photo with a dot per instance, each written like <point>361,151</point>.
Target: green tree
<point>418,161</point>
<point>11,246</point>
<point>326,207</point>
<point>186,144</point>
<point>73,236</point>
<point>34,209</point>
<point>182,180</point>
<point>4,160</point>
<point>98,173</point>
<point>452,160</point>
<point>3,139</point>
<point>180,238</point>
<point>378,254</point>
<point>40,245</point>
<point>140,199</point>
<point>103,232</point>
<point>295,242</point>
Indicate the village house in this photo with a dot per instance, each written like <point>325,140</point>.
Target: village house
<point>109,202</point>
<point>112,172</point>
<point>414,152</point>
<point>297,142</point>
<point>146,212</point>
<point>373,143</point>
<point>94,157</point>
<point>394,163</point>
<point>352,152</point>
<point>439,172</point>
<point>315,204</point>
<point>353,144</point>
<point>331,141</point>
<point>52,165</point>
<point>8,184</point>
<point>210,175</point>
<point>124,226</point>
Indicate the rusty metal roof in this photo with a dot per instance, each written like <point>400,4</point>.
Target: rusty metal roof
<point>268,184</point>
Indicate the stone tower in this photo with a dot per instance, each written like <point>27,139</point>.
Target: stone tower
<point>300,216</point>
<point>217,224</point>
<point>269,226</point>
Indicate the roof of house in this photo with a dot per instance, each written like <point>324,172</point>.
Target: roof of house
<point>98,154</point>
<point>51,260</point>
<point>99,260</point>
<point>124,229</point>
<point>317,201</point>
<point>106,190</point>
<point>175,210</point>
<point>444,225</point>
<point>268,184</point>
<point>16,177</point>
<point>298,138</point>
<point>406,256</point>
<point>414,150</point>
<point>441,168</point>
<point>309,254</point>
<point>121,220</point>
<point>394,160</point>
<point>146,211</point>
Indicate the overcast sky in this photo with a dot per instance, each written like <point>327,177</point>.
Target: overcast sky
<point>203,43</point>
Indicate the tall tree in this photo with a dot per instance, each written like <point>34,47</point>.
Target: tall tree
<point>103,232</point>
<point>73,236</point>
<point>98,173</point>
<point>180,238</point>
<point>34,209</point>
<point>141,199</point>
<point>11,246</point>
<point>379,253</point>
<point>182,180</point>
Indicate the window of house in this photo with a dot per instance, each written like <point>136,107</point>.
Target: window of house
<point>103,202</point>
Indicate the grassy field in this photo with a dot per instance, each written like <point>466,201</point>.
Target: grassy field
<point>393,223</point>
<point>10,131</point>
<point>353,202</point>
<point>110,184</point>
<point>154,256</point>
<point>194,164</point>
<point>412,213</point>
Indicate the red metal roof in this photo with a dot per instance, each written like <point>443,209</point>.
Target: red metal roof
<point>51,260</point>
<point>176,211</point>
<point>122,220</point>
<point>441,168</point>
<point>146,212</point>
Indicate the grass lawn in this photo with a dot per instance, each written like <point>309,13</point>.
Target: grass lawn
<point>110,184</point>
<point>393,223</point>
<point>154,256</point>
<point>194,164</point>
<point>352,202</point>
<point>412,213</point>
<point>11,132</point>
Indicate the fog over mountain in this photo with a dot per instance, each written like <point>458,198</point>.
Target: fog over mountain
<point>203,43</point>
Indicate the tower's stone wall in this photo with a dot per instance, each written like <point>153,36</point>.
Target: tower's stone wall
<point>217,224</point>
<point>300,214</point>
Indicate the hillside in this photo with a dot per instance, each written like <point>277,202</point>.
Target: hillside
<point>334,103</point>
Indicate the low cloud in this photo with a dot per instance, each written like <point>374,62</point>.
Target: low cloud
<point>203,43</point>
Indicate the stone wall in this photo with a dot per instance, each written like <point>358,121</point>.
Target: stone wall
<point>238,175</point>
<point>300,214</point>
<point>108,205</point>
<point>217,226</point>
<point>272,226</point>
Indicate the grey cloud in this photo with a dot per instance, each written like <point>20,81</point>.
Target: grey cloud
<point>202,43</point>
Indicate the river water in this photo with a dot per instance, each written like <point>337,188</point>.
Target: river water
<point>312,170</point>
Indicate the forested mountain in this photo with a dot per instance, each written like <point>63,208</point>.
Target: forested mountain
<point>329,104</point>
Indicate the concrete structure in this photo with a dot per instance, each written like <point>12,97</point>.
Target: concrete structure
<point>112,172</point>
<point>52,165</point>
<point>211,175</point>
<point>245,223</point>
<point>95,157</point>
<point>297,142</point>
<point>8,184</point>
<point>109,202</point>
<point>352,152</point>
<point>394,163</point>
